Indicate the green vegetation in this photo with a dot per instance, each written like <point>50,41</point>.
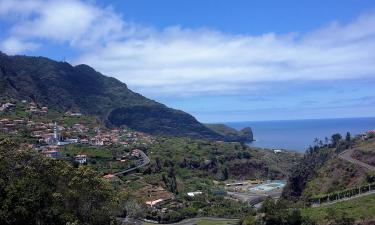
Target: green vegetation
<point>197,162</point>
<point>214,222</point>
<point>365,151</point>
<point>231,134</point>
<point>63,87</point>
<point>326,178</point>
<point>343,193</point>
<point>320,168</point>
<point>36,190</point>
<point>205,221</point>
<point>361,208</point>
<point>92,152</point>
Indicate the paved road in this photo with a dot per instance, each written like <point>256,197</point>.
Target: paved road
<point>347,156</point>
<point>145,161</point>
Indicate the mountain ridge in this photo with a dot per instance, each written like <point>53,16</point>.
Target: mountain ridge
<point>62,86</point>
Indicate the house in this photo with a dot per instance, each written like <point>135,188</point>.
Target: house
<point>84,141</point>
<point>7,106</point>
<point>136,153</point>
<point>155,202</point>
<point>194,193</point>
<point>52,154</point>
<point>277,151</point>
<point>109,176</point>
<point>81,159</point>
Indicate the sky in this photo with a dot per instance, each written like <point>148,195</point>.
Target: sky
<point>219,60</point>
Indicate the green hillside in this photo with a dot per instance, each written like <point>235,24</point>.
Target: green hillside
<point>63,87</point>
<point>231,134</point>
<point>361,209</point>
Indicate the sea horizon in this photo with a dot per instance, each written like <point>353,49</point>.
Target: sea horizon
<point>299,134</point>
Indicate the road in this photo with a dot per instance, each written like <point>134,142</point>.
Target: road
<point>347,156</point>
<point>145,162</point>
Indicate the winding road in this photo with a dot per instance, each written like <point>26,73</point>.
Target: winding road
<point>145,162</point>
<point>347,156</point>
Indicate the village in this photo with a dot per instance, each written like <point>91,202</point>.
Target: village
<point>51,138</point>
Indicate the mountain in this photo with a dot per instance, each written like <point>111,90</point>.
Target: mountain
<point>64,87</point>
<point>231,134</point>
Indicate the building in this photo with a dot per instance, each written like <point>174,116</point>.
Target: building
<point>155,202</point>
<point>81,159</point>
<point>7,106</point>
<point>194,193</point>
<point>136,153</point>
<point>52,154</point>
<point>109,176</point>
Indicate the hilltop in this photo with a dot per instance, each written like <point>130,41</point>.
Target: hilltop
<point>64,87</point>
<point>231,134</point>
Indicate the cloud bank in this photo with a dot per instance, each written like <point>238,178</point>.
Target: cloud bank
<point>180,61</point>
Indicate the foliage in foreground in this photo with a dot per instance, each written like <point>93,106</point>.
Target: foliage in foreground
<point>361,209</point>
<point>36,190</point>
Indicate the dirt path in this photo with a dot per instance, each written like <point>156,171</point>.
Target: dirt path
<point>347,156</point>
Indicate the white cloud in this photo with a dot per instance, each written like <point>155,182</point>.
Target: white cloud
<point>14,46</point>
<point>178,61</point>
<point>79,23</point>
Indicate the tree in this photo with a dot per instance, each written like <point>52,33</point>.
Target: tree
<point>336,218</point>
<point>37,190</point>
<point>295,217</point>
<point>348,139</point>
<point>225,174</point>
<point>248,220</point>
<point>370,177</point>
<point>134,209</point>
<point>336,138</point>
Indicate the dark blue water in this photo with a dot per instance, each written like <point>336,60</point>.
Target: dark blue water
<point>299,134</point>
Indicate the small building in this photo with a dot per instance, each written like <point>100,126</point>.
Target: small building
<point>84,141</point>
<point>109,176</point>
<point>194,193</point>
<point>155,202</point>
<point>81,159</point>
<point>136,153</point>
<point>277,151</point>
<point>52,154</point>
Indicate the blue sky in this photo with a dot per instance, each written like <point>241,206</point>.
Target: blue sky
<point>218,60</point>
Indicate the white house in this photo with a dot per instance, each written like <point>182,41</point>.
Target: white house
<point>81,159</point>
<point>194,193</point>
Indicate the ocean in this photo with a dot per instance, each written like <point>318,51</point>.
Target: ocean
<point>298,135</point>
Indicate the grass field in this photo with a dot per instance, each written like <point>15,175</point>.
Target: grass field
<point>359,208</point>
<point>89,151</point>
